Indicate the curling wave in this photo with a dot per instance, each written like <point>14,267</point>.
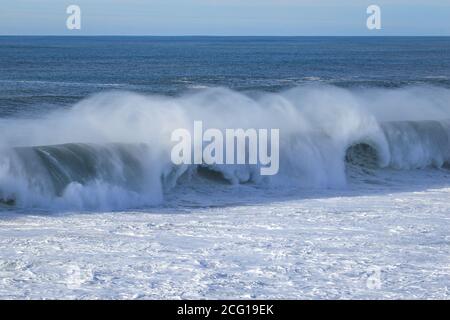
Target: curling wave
<point>112,151</point>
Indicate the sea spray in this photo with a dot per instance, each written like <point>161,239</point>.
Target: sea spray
<point>232,147</point>
<point>112,150</point>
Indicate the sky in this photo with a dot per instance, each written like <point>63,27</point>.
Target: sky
<point>225,17</point>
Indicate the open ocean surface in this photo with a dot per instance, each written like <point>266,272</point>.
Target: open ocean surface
<point>37,73</point>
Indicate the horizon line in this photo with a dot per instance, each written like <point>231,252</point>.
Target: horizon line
<point>207,35</point>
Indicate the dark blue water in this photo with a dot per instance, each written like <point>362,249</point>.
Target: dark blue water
<point>42,73</point>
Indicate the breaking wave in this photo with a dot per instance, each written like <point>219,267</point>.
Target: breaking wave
<point>112,151</point>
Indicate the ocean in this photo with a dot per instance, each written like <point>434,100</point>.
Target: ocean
<point>91,205</point>
<point>55,72</point>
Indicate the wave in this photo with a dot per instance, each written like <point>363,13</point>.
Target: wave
<point>112,150</point>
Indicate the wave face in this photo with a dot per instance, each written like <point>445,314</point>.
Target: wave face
<point>79,175</point>
<point>112,151</point>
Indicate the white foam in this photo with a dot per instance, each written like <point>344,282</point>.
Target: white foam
<point>317,123</point>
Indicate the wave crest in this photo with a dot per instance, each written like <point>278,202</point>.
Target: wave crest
<point>112,151</point>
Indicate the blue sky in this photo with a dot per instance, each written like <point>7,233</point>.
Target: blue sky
<point>225,17</point>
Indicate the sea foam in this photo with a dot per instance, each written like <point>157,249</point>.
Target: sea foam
<point>112,150</point>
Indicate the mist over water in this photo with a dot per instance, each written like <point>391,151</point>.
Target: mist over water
<point>112,150</point>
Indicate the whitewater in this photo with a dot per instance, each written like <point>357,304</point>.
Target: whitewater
<point>93,207</point>
<point>112,151</point>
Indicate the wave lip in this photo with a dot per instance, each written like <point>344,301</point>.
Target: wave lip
<point>411,145</point>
